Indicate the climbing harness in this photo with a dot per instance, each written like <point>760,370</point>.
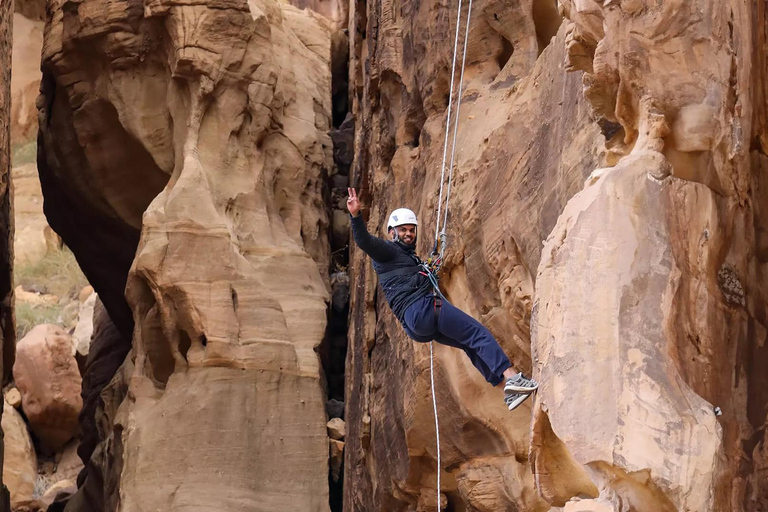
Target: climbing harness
<point>431,267</point>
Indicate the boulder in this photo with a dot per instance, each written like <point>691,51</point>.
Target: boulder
<point>60,489</point>
<point>337,458</point>
<point>81,338</point>
<point>34,298</point>
<point>336,429</point>
<point>48,378</point>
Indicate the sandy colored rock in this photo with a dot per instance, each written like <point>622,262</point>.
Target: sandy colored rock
<point>336,458</point>
<point>85,293</point>
<point>589,506</point>
<point>192,80</point>
<point>13,397</point>
<point>68,462</point>
<point>62,487</point>
<point>641,305</point>
<point>33,298</point>
<point>513,176</point>
<point>336,429</point>
<point>19,458</point>
<point>25,80</point>
<point>627,335</point>
<point>47,376</point>
<point>81,337</point>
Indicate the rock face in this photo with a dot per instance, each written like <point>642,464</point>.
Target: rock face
<point>513,177</point>
<point>47,376</point>
<point>650,300</point>
<point>649,295</point>
<point>19,458</point>
<point>229,288</point>
<point>183,151</point>
<point>7,330</point>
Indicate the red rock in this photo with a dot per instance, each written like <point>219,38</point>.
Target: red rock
<point>47,376</point>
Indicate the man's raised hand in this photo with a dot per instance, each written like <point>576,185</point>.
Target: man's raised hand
<point>353,203</point>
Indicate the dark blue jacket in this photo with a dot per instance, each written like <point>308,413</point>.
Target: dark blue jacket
<point>397,267</point>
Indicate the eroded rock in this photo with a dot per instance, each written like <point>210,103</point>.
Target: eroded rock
<point>19,457</point>
<point>641,308</point>
<point>47,376</point>
<point>525,145</point>
<point>229,287</point>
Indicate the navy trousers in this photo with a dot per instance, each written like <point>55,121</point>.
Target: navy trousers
<point>451,326</point>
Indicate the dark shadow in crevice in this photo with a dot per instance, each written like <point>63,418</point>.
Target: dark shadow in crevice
<point>507,50</point>
<point>547,20</point>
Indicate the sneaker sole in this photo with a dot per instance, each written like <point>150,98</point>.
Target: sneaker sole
<point>509,389</point>
<point>516,403</point>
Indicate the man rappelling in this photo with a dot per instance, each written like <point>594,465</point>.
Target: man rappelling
<point>422,311</point>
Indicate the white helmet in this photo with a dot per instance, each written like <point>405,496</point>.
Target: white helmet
<point>401,217</point>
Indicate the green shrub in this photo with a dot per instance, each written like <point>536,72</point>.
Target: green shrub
<point>57,272</point>
<point>29,316</point>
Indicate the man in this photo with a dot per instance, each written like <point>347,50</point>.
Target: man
<point>424,316</point>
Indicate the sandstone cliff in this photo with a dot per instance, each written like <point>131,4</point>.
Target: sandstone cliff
<point>650,299</point>
<point>649,304</point>
<point>192,149</point>
<point>7,335</point>
<point>606,224</point>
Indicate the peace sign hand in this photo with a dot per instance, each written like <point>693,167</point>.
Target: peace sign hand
<point>353,203</point>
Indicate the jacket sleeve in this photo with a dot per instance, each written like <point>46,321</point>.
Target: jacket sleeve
<point>374,247</point>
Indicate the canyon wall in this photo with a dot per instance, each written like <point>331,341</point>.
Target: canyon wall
<point>649,314</point>
<point>183,150</point>
<point>606,224</point>
<point>7,335</point>
<point>636,301</point>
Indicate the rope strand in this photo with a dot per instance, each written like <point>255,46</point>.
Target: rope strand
<point>448,118</point>
<point>440,236</point>
<point>456,122</point>
<point>437,424</point>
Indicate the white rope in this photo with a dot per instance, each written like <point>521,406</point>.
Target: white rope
<point>437,424</point>
<point>447,199</point>
<point>448,119</point>
<point>456,122</point>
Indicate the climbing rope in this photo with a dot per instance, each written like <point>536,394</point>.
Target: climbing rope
<point>432,266</point>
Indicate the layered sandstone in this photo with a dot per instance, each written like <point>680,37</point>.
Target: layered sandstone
<point>649,287</point>
<point>512,178</point>
<point>204,127</point>
<point>650,303</point>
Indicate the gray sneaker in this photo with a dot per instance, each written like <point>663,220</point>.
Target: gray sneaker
<point>520,384</point>
<point>514,400</point>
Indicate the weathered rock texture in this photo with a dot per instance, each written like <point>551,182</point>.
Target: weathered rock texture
<point>19,457</point>
<point>7,331</point>
<point>513,177</point>
<point>204,126</point>
<point>650,303</point>
<point>47,376</point>
<point>649,290</point>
